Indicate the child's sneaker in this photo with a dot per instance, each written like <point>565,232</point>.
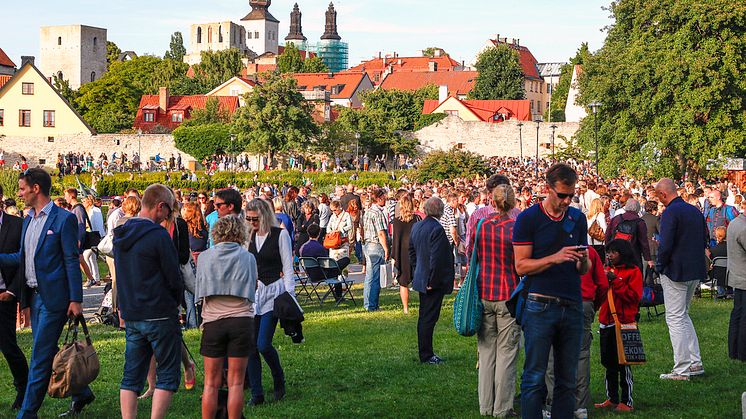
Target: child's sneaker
<point>621,407</point>
<point>606,404</point>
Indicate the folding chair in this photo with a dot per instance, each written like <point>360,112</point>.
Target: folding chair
<point>331,267</point>
<point>315,276</point>
<point>301,281</point>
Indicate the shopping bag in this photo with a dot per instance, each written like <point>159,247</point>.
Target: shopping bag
<point>387,274</point>
<point>467,307</point>
<point>629,347</point>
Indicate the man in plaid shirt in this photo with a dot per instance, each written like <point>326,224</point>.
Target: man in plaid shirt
<point>375,247</point>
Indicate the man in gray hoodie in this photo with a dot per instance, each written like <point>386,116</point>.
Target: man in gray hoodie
<point>737,279</point>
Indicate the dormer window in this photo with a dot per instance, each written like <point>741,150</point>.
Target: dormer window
<point>177,117</point>
<point>148,116</point>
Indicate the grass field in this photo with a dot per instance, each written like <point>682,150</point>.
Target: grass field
<point>358,364</point>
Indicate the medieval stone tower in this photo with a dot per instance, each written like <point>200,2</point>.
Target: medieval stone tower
<point>76,53</point>
<point>261,28</point>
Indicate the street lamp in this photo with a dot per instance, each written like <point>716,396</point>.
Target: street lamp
<point>553,127</point>
<point>233,152</point>
<point>357,150</point>
<point>595,106</point>
<point>538,121</point>
<point>139,152</point>
<point>520,138</point>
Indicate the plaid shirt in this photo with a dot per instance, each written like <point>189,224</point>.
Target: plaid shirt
<point>497,276</point>
<point>374,221</point>
<point>448,221</point>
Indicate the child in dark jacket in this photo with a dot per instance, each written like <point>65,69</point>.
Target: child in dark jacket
<point>625,282</point>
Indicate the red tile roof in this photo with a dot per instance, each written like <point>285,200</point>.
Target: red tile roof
<point>3,80</point>
<point>187,104</point>
<point>4,60</point>
<point>486,109</point>
<point>303,53</point>
<point>252,69</point>
<point>458,82</point>
<point>347,82</point>
<point>526,58</point>
<point>377,66</point>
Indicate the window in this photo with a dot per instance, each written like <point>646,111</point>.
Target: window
<point>59,40</point>
<point>532,106</point>
<point>27,88</point>
<point>454,113</point>
<point>547,105</point>
<point>460,146</point>
<point>93,76</point>
<point>42,161</point>
<point>256,34</point>
<point>95,42</point>
<point>50,139</point>
<point>177,117</point>
<point>59,75</point>
<point>149,116</point>
<point>199,35</point>
<point>250,35</point>
<point>549,88</point>
<point>24,118</point>
<point>209,35</point>
<point>48,119</point>
<point>538,106</point>
<point>235,91</point>
<point>2,117</point>
<point>220,34</point>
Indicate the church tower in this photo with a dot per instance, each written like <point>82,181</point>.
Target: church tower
<point>330,29</point>
<point>261,28</point>
<point>296,28</point>
<point>331,49</point>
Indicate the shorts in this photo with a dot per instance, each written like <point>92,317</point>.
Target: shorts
<point>159,338</point>
<point>232,337</point>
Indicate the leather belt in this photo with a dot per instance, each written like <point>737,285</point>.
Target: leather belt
<point>548,300</point>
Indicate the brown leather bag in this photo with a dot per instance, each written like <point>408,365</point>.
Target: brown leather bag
<point>596,232</point>
<point>76,365</point>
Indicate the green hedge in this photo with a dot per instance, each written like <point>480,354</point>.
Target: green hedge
<point>204,140</point>
<point>325,181</point>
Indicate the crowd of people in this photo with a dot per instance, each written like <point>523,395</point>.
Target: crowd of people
<point>225,261</point>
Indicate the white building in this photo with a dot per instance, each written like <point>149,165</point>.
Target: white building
<point>573,111</point>
<point>76,53</point>
<point>262,29</point>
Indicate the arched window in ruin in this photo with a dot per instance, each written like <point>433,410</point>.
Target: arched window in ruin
<point>199,35</point>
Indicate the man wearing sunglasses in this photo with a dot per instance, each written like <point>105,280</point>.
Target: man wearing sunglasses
<point>550,242</point>
<point>227,202</point>
<point>150,291</point>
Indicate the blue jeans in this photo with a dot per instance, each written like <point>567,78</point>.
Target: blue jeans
<point>359,251</point>
<point>190,311</point>
<point>46,328</point>
<point>546,326</point>
<point>265,326</point>
<point>144,339</point>
<point>374,258</point>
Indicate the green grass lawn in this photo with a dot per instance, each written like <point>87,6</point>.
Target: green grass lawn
<point>358,364</point>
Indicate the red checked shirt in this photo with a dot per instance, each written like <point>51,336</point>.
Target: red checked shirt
<point>497,275</point>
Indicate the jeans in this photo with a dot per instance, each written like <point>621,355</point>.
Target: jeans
<point>265,326</point>
<point>678,297</point>
<point>359,252</point>
<point>374,258</point>
<point>46,328</point>
<point>550,326</point>
<point>191,311</point>
<point>144,339</point>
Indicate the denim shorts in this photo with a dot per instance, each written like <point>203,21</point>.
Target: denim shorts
<point>144,339</point>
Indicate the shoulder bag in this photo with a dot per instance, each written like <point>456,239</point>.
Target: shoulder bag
<point>629,348</point>
<point>76,365</point>
<point>91,238</point>
<point>467,307</point>
<point>334,239</point>
<point>595,231</point>
<point>189,269</point>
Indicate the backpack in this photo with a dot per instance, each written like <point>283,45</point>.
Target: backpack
<point>626,230</point>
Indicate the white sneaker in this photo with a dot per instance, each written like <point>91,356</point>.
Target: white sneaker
<point>545,414</point>
<point>674,377</point>
<point>696,369</point>
<point>581,414</point>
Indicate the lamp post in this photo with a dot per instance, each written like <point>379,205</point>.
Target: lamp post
<point>357,150</point>
<point>553,127</point>
<point>139,152</point>
<point>520,138</point>
<point>538,121</point>
<point>233,152</point>
<point>595,106</point>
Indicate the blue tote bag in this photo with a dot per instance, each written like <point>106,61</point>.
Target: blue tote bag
<point>467,307</point>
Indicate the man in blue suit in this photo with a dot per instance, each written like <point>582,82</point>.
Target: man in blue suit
<point>51,286</point>
<point>432,263</point>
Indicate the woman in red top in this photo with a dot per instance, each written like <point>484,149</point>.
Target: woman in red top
<point>625,282</point>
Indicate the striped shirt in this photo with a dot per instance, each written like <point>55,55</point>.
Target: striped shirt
<point>31,240</point>
<point>448,221</point>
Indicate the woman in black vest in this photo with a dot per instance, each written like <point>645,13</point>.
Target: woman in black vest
<point>272,249</point>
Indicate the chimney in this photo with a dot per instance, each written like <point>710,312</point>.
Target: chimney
<point>442,93</point>
<point>379,55</point>
<point>518,41</point>
<point>498,37</point>
<point>432,66</point>
<point>385,60</point>
<point>163,98</point>
<point>27,59</point>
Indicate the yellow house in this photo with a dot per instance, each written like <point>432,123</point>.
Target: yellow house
<point>235,86</point>
<point>31,107</point>
<point>492,111</point>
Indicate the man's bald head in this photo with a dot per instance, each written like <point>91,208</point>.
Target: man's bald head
<point>666,190</point>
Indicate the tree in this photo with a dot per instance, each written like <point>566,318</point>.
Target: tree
<point>275,117</point>
<point>314,65</point>
<point>671,80</point>
<point>112,52</point>
<point>210,114</point>
<point>560,93</point>
<point>290,60</point>
<point>205,140</point>
<point>176,51</point>
<point>500,75</point>
<point>451,164</point>
<point>430,52</point>
<point>63,87</point>
<point>216,67</point>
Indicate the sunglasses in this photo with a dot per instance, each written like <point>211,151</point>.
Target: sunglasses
<point>563,195</point>
<point>252,219</point>
<point>220,204</point>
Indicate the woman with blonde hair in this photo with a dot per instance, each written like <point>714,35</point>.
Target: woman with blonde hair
<point>597,219</point>
<point>197,227</point>
<point>401,227</point>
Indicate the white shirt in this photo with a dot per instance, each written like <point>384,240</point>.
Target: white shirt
<point>97,220</point>
<point>112,218</point>
<point>31,240</point>
<point>266,294</point>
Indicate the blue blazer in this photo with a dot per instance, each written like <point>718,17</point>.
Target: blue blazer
<point>431,257</point>
<point>683,240</point>
<point>56,262</point>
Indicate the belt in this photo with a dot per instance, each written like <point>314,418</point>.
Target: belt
<point>548,300</point>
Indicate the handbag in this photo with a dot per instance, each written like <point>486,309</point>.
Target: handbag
<point>334,239</point>
<point>76,365</point>
<point>106,245</point>
<point>467,307</point>
<point>188,270</point>
<point>91,238</point>
<point>596,232</point>
<point>629,347</point>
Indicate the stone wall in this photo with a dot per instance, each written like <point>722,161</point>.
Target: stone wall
<point>37,149</point>
<point>488,139</point>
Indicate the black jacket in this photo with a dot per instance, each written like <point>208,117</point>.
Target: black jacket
<point>10,242</point>
<point>431,257</point>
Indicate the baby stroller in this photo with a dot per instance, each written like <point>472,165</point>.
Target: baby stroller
<point>105,314</point>
<point>652,294</point>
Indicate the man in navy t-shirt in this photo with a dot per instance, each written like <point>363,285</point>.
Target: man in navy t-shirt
<point>546,237</point>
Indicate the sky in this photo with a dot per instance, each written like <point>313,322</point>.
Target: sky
<point>551,29</point>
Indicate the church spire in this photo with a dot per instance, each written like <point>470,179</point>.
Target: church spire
<point>296,28</point>
<point>330,30</point>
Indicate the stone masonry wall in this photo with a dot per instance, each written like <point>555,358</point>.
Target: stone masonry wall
<point>488,139</point>
<point>36,148</point>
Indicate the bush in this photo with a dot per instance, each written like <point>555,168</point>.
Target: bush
<point>451,164</point>
<point>204,140</point>
<point>9,182</point>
